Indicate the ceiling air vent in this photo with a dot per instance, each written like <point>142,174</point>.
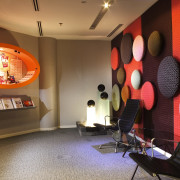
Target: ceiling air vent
<point>98,18</point>
<point>36,7</point>
<point>100,15</point>
<point>114,30</point>
<point>40,28</point>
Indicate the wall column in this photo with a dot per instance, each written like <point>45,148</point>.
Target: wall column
<point>47,83</point>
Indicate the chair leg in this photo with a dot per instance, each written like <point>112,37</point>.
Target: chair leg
<point>127,148</point>
<point>158,177</point>
<point>116,147</point>
<point>134,172</point>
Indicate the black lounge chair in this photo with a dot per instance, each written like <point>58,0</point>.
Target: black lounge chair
<point>156,166</point>
<point>123,126</point>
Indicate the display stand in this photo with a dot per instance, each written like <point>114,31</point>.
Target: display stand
<point>16,102</point>
<point>32,107</point>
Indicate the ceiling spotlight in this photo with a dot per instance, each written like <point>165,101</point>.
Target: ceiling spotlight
<point>106,5</point>
<point>60,24</point>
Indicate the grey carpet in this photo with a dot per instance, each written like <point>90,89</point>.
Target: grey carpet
<point>63,155</point>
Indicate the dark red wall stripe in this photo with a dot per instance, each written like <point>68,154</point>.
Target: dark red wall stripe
<point>158,18</point>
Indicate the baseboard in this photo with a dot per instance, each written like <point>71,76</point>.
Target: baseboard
<point>34,130</point>
<point>68,126</point>
<point>48,129</point>
<point>19,133</point>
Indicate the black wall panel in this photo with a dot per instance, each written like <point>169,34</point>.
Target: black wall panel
<point>158,18</point>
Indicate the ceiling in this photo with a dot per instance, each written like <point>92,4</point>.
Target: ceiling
<point>76,15</point>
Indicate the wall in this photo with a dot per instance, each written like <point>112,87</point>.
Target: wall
<point>163,17</point>
<point>69,76</point>
<point>17,122</point>
<point>81,67</point>
<point>47,88</point>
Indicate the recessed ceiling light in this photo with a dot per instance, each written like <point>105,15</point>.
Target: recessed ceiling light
<point>106,5</point>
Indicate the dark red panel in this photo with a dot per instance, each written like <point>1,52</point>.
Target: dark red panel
<point>158,17</point>
<point>115,43</point>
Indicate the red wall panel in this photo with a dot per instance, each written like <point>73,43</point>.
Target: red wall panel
<point>176,53</point>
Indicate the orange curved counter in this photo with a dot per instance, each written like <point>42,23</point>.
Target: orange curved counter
<point>30,63</point>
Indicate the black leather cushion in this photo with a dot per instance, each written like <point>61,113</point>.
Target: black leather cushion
<point>168,76</point>
<point>175,158</point>
<point>155,165</point>
<point>126,48</point>
<point>129,115</point>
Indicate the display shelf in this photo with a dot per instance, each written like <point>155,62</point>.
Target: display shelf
<point>18,67</point>
<point>16,109</point>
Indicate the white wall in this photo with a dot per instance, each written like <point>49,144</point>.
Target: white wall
<point>20,120</point>
<point>81,67</point>
<point>47,88</point>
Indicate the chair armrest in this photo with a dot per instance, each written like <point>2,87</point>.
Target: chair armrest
<point>152,143</point>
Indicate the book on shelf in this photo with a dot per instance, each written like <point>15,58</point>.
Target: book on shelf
<point>28,103</point>
<point>17,103</point>
<point>7,103</point>
<point>1,105</point>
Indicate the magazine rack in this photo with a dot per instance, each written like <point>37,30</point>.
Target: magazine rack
<point>9,103</point>
<point>16,109</point>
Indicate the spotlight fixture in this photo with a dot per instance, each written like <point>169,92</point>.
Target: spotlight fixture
<point>106,5</point>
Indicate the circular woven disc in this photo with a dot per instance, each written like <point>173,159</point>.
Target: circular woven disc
<point>147,95</point>
<point>136,79</point>
<point>116,97</point>
<point>121,75</point>
<point>125,93</point>
<point>126,48</point>
<point>114,58</point>
<point>155,43</point>
<point>138,48</point>
<point>168,76</point>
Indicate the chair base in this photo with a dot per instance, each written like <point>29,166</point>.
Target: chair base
<point>115,145</point>
<point>119,145</point>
